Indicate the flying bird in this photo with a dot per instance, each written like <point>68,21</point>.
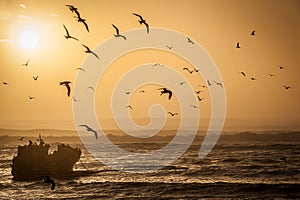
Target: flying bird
<point>21,138</point>
<point>253,33</point>
<point>253,79</point>
<point>173,114</point>
<point>142,21</point>
<point>47,179</point>
<point>89,51</point>
<point>118,33</point>
<point>280,67</point>
<point>182,83</point>
<point>90,130</point>
<point>243,73</point>
<point>74,99</point>
<point>200,99</point>
<point>35,78</point>
<point>196,69</point>
<point>238,45</point>
<point>271,75</point>
<point>209,83</point>
<point>219,83</point>
<point>193,106</point>
<point>79,19</point>
<point>165,91</point>
<point>68,36</point>
<point>73,9</point>
<point>26,64</point>
<point>129,106</point>
<point>30,97</point>
<point>90,87</point>
<point>204,86</point>
<point>169,47</point>
<point>142,91</point>
<point>81,69</point>
<point>127,92</point>
<point>5,83</point>
<point>286,87</point>
<point>197,92</point>
<point>187,69</point>
<point>66,84</point>
<point>189,40</point>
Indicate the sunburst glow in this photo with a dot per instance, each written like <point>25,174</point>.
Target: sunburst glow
<point>29,39</point>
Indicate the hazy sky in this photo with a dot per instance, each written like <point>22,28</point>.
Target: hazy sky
<point>216,25</point>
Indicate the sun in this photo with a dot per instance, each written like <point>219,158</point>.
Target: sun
<point>29,39</point>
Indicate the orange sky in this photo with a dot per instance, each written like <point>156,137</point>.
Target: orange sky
<point>216,25</point>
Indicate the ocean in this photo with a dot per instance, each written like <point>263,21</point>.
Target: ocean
<point>235,169</point>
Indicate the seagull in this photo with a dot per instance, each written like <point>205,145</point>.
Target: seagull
<point>30,97</point>
<point>271,75</point>
<point>204,86</point>
<point>253,79</point>
<point>127,92</point>
<point>68,36</point>
<point>238,45</point>
<point>142,21</point>
<point>187,69</point>
<point>21,138</point>
<point>243,73</point>
<point>189,40</point>
<point>182,83</point>
<point>66,83</point>
<point>219,83</point>
<point>129,106</point>
<point>90,87</point>
<point>200,99</point>
<point>193,106</point>
<point>79,19</point>
<point>253,33</point>
<point>166,91</point>
<point>5,83</point>
<point>118,33</point>
<point>197,92</point>
<point>47,179</point>
<point>142,91</point>
<point>90,129</point>
<point>173,114</point>
<point>79,68</point>
<point>286,87</point>
<point>35,77</point>
<point>74,99</point>
<point>26,64</point>
<point>208,83</point>
<point>73,9</point>
<point>196,69</point>
<point>157,64</point>
<point>280,67</point>
<point>89,51</point>
<point>169,47</point>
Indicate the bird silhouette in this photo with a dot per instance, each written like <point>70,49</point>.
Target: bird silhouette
<point>5,83</point>
<point>81,69</point>
<point>200,99</point>
<point>253,79</point>
<point>187,69</point>
<point>26,64</point>
<point>142,91</point>
<point>197,92</point>
<point>129,106</point>
<point>182,83</point>
<point>30,97</point>
<point>209,83</point>
<point>165,91</point>
<point>280,67</point>
<point>118,33</point>
<point>35,78</point>
<point>79,19</point>
<point>219,83</point>
<point>243,73</point>
<point>286,87</point>
<point>90,130</point>
<point>127,92</point>
<point>271,75</point>
<point>142,21</point>
<point>74,99</point>
<point>193,106</point>
<point>66,84</point>
<point>173,114</point>
<point>73,9</point>
<point>196,69</point>
<point>68,36</point>
<point>238,45</point>
<point>253,33</point>
<point>169,47</point>
<point>90,87</point>
<point>21,138</point>
<point>204,86</point>
<point>89,51</point>
<point>189,40</point>
<point>47,179</point>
